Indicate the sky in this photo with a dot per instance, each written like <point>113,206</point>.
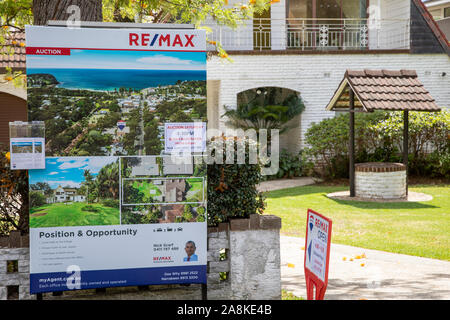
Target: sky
<point>120,59</point>
<point>68,171</point>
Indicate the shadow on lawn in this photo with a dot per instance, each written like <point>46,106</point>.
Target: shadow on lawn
<point>303,191</point>
<point>383,205</point>
<point>324,190</point>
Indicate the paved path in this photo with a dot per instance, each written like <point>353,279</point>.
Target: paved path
<point>285,183</point>
<point>384,275</point>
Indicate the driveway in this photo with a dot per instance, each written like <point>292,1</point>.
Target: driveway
<point>378,276</point>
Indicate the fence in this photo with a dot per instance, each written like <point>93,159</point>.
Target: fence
<point>314,34</point>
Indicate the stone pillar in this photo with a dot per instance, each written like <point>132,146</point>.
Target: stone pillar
<point>15,266</point>
<point>252,262</point>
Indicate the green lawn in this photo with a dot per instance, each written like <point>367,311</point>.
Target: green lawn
<point>195,189</point>
<point>60,214</point>
<point>145,187</point>
<point>413,228</point>
<point>195,183</point>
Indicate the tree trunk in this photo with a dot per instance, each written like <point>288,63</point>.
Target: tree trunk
<point>44,10</point>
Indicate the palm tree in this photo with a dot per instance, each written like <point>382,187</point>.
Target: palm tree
<point>108,181</point>
<point>88,182</point>
<point>264,109</point>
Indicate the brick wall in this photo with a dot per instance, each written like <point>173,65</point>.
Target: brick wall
<point>380,181</point>
<point>15,267</point>
<point>316,77</point>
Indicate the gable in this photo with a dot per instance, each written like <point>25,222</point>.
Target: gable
<point>425,35</point>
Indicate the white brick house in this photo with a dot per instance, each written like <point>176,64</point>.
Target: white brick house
<point>404,38</point>
<point>61,194</point>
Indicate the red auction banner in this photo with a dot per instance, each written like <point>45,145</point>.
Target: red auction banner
<point>48,51</point>
<point>317,254</point>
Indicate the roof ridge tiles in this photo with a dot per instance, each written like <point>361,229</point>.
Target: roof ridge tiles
<point>381,73</point>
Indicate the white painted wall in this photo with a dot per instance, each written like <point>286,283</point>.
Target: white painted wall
<point>240,38</point>
<point>392,29</point>
<point>278,19</point>
<point>317,77</point>
<point>380,185</point>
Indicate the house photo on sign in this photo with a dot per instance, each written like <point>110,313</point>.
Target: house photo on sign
<point>106,96</point>
<point>27,145</point>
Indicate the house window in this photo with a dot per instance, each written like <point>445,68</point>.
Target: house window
<point>326,9</point>
<point>447,12</point>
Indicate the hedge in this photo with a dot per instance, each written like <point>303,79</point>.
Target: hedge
<point>232,188</point>
<point>379,138</point>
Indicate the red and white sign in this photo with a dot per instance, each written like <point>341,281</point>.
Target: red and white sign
<point>64,40</point>
<point>48,51</point>
<point>317,254</point>
<point>184,137</point>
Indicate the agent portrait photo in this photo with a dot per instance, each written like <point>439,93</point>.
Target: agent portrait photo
<point>190,251</point>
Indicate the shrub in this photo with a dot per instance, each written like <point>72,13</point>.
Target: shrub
<point>428,131</point>
<point>290,166</point>
<point>232,188</point>
<point>37,199</point>
<point>112,203</point>
<point>379,138</point>
<point>90,208</point>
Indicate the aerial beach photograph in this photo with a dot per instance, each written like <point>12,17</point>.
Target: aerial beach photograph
<point>117,103</point>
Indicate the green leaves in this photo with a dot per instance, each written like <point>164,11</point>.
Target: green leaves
<point>232,190</point>
<point>264,108</point>
<point>291,165</point>
<point>379,137</point>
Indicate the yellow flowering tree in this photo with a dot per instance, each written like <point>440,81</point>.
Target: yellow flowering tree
<point>14,213</point>
<point>15,14</point>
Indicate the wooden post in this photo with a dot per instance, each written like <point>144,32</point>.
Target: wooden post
<point>351,149</point>
<point>405,144</point>
<point>204,291</point>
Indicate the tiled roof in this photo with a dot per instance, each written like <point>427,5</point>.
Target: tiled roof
<point>17,59</point>
<point>383,90</point>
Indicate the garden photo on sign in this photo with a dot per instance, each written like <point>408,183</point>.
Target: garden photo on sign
<point>75,191</point>
<point>160,190</point>
<point>105,103</point>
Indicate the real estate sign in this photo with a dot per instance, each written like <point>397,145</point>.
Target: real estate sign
<point>317,253</point>
<point>112,207</point>
<point>27,145</point>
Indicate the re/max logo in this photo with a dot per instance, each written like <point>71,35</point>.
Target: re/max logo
<point>145,39</point>
<point>162,259</point>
